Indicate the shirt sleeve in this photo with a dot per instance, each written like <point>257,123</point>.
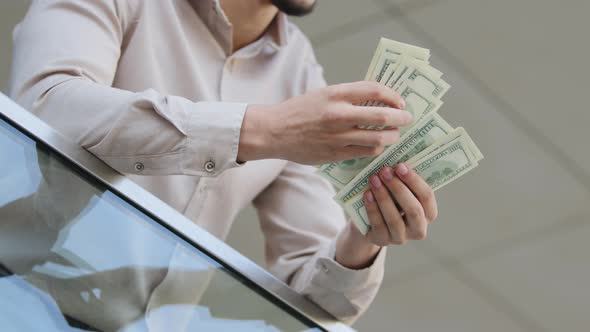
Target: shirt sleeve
<point>301,223</point>
<point>66,54</point>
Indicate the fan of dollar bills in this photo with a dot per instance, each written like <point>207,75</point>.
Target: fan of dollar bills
<point>438,152</point>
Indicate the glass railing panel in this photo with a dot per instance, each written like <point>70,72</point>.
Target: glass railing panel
<point>74,255</point>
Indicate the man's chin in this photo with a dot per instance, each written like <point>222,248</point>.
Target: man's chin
<point>295,7</point>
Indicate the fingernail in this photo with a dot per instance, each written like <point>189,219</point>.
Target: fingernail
<point>386,173</point>
<point>375,182</point>
<point>403,104</point>
<point>369,197</point>
<point>401,169</point>
<point>410,116</point>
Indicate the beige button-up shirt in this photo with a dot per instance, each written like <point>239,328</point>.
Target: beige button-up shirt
<point>152,88</point>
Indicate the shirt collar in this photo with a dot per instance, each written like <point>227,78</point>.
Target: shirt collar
<point>212,14</point>
<point>280,30</point>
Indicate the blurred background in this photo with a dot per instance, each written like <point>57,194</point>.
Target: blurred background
<point>510,250</point>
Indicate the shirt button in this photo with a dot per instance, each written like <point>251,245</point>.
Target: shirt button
<point>323,267</point>
<point>138,167</point>
<point>210,166</point>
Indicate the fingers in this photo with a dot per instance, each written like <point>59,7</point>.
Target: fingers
<point>378,234</point>
<point>421,190</point>
<point>390,214</point>
<point>343,116</point>
<point>371,138</point>
<point>354,151</point>
<point>358,92</point>
<point>378,116</point>
<point>414,197</point>
<point>416,222</point>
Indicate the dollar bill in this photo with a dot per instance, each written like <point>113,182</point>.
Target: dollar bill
<point>340,173</point>
<point>394,73</point>
<point>474,149</point>
<point>430,130</point>
<point>405,63</point>
<point>429,145</point>
<point>443,165</point>
<point>439,166</point>
<point>418,103</point>
<point>422,79</point>
<point>388,53</point>
<point>386,58</point>
<point>356,211</point>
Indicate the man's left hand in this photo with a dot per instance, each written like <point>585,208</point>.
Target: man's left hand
<point>391,223</point>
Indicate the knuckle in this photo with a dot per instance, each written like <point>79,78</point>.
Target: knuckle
<point>420,233</point>
<point>382,241</point>
<point>414,212</point>
<point>381,119</point>
<point>375,151</point>
<point>411,176</point>
<point>428,195</point>
<point>396,185</point>
<point>330,116</point>
<point>382,139</point>
<point>375,90</point>
<point>399,241</point>
<point>373,85</point>
<point>333,92</point>
<point>403,118</point>
<point>374,140</point>
<point>428,189</point>
<point>377,238</point>
<point>381,196</point>
<point>376,227</point>
<point>433,215</point>
<point>334,116</point>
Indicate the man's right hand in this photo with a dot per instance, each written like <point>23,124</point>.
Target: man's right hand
<point>323,125</point>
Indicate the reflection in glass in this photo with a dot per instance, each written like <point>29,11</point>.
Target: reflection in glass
<point>75,256</point>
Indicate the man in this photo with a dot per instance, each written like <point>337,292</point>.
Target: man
<point>211,105</point>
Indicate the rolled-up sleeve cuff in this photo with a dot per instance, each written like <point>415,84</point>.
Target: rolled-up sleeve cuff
<point>342,279</point>
<point>345,293</point>
<point>213,138</point>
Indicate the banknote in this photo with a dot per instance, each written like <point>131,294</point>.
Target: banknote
<point>385,58</point>
<point>474,149</point>
<point>418,103</point>
<point>393,72</point>
<point>430,130</point>
<point>432,147</point>
<point>422,78</point>
<point>340,173</point>
<point>421,136</point>
<point>394,75</point>
<point>439,166</point>
<point>388,54</point>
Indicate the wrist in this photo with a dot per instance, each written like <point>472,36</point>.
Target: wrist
<point>255,142</point>
<point>354,250</point>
